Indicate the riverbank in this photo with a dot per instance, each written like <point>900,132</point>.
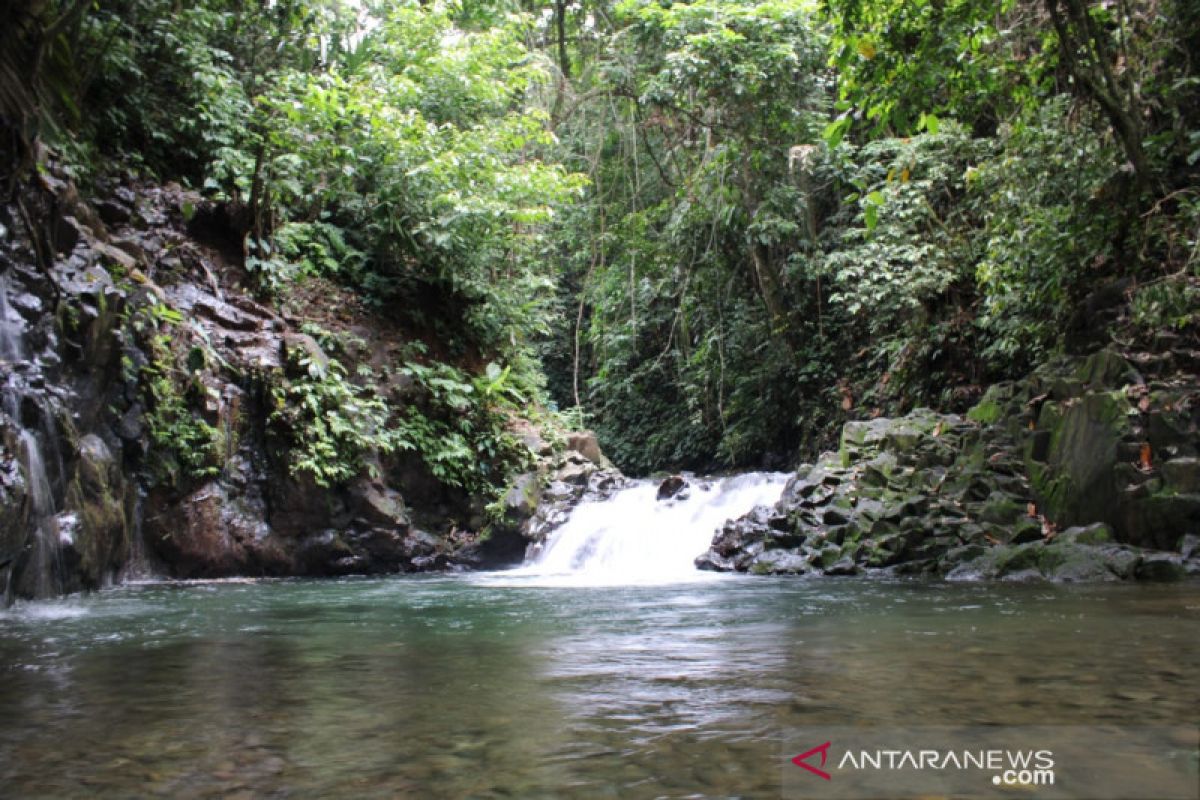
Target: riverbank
<point>1085,471</point>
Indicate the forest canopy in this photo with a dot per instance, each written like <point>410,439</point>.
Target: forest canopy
<point>712,229</point>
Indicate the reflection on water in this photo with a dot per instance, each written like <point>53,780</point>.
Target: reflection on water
<point>485,687</point>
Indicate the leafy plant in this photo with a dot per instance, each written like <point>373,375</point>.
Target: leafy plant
<point>460,430</point>
<point>186,446</point>
<point>327,424</point>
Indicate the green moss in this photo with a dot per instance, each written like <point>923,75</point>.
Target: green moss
<point>985,412</point>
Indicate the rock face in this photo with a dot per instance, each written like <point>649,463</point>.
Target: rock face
<point>1085,471</point>
<point>136,375</point>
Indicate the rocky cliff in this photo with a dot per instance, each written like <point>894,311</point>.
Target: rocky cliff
<point>151,402</point>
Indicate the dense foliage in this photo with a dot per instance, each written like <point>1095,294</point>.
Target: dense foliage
<point>710,229</point>
<point>801,213</point>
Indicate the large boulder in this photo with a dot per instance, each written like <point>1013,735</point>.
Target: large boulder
<point>213,532</point>
<point>1072,459</point>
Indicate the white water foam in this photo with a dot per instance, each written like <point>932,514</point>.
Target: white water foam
<point>635,539</point>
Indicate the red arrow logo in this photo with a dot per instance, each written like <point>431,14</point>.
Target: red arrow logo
<point>800,760</point>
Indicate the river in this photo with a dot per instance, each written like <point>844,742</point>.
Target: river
<point>481,686</point>
<point>530,684</point>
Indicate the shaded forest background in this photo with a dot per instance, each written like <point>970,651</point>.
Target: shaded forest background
<point>712,230</point>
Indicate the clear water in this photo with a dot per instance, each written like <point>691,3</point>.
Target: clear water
<point>495,686</point>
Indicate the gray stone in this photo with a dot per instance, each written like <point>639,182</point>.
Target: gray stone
<point>1182,474</point>
<point>585,443</point>
<point>1161,567</point>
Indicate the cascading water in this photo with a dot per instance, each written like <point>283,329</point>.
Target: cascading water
<point>633,537</point>
<point>43,555</point>
<point>11,349</point>
<point>47,543</point>
<point>137,567</point>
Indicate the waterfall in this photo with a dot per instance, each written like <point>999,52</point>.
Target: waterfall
<point>46,560</point>
<point>634,537</point>
<point>42,570</point>
<point>11,349</point>
<point>137,567</point>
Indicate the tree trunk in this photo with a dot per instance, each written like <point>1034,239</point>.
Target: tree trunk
<point>768,283</point>
<point>1095,74</point>
<point>560,22</point>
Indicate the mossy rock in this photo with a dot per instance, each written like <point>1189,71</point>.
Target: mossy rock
<point>828,555</point>
<point>1070,562</point>
<point>779,562</point>
<point>97,495</point>
<point>1026,530</point>
<point>843,566</point>
<point>1108,369</point>
<point>992,406</point>
<point>882,552</point>
<point>1160,520</point>
<point>1099,533</point>
<point>1161,567</point>
<point>1002,509</point>
<point>1173,430</point>
<point>1073,479</point>
<point>878,472</point>
<point>1019,558</point>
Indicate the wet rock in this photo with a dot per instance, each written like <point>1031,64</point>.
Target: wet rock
<point>710,561</point>
<point>1189,546</point>
<point>97,498</point>
<point>1161,567</point>
<point>777,562</point>
<point>576,470</point>
<point>13,527</point>
<point>430,563</point>
<point>421,542</point>
<point>326,553</point>
<point>604,484</point>
<point>674,486</point>
<point>843,566</point>
<point>211,533</point>
<point>385,549</point>
<point>298,505</point>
